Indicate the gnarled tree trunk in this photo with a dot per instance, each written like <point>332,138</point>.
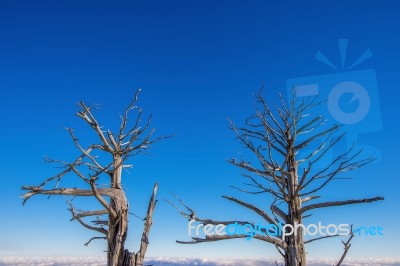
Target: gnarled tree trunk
<point>118,228</point>
<point>117,231</point>
<point>295,254</point>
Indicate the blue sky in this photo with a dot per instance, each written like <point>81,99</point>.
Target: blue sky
<point>197,63</point>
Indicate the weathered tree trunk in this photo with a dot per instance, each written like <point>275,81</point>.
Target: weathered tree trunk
<point>117,231</point>
<point>118,227</point>
<point>295,254</point>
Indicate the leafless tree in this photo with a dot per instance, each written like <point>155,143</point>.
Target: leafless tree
<point>105,161</point>
<point>279,138</point>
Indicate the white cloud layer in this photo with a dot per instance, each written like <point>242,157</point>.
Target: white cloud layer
<point>75,261</point>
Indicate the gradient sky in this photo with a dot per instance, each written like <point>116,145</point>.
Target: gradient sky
<point>198,62</point>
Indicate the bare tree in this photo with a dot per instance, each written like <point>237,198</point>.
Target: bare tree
<point>279,139</point>
<point>104,161</point>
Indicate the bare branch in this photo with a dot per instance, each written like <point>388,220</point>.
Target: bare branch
<point>323,133</point>
<point>338,203</point>
<point>253,208</point>
<point>102,201</point>
<point>347,246</point>
<point>87,151</point>
<point>195,240</point>
<point>320,238</point>
<point>88,213</point>
<point>94,238</point>
<point>93,228</point>
<point>147,224</point>
<point>100,222</point>
<point>86,115</point>
<point>191,215</point>
<point>275,209</point>
<point>344,162</point>
<point>305,199</point>
<point>64,191</point>
<point>124,118</point>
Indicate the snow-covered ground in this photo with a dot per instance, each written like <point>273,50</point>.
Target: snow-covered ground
<point>72,261</point>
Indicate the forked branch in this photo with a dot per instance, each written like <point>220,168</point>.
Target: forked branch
<point>346,247</point>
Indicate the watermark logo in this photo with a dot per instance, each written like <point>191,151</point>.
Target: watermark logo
<point>249,231</point>
<point>351,96</point>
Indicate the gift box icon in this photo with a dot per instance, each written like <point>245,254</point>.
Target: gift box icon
<point>349,97</point>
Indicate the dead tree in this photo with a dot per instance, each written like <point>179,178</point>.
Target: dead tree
<point>104,161</point>
<point>276,138</point>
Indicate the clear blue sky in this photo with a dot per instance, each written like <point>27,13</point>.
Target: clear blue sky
<point>197,63</point>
